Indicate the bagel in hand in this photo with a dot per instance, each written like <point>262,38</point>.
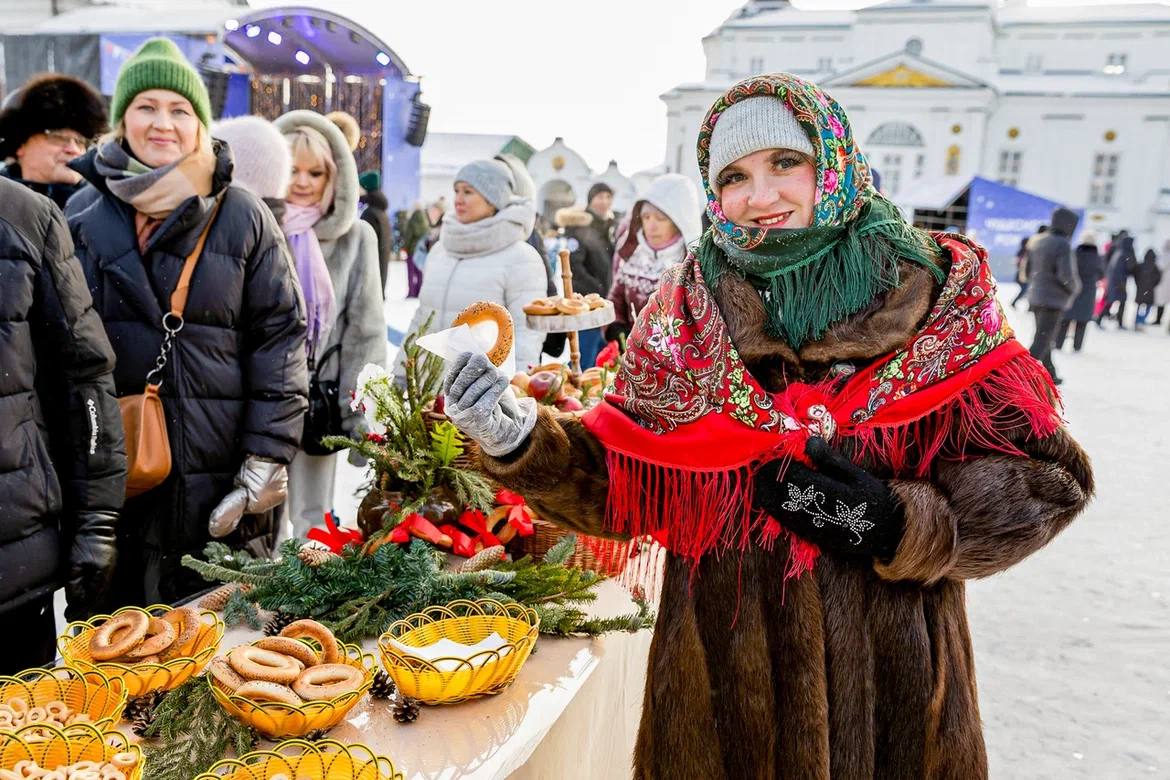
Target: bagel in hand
<point>486,311</point>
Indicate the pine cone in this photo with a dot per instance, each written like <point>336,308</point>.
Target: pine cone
<point>406,710</point>
<point>315,556</point>
<point>484,559</point>
<point>317,736</point>
<point>280,619</point>
<point>140,711</point>
<point>217,599</point>
<point>383,687</point>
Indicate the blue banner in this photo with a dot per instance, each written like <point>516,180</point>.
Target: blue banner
<point>999,217</point>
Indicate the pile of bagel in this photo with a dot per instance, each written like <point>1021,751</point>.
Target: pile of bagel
<point>119,767</point>
<point>136,637</point>
<point>573,305</point>
<point>285,670</point>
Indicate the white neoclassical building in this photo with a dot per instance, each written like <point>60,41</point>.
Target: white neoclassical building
<point>1070,104</point>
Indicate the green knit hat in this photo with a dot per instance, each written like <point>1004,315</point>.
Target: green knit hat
<point>159,64</point>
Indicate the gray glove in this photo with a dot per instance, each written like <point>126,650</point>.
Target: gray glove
<point>260,485</point>
<point>481,405</point>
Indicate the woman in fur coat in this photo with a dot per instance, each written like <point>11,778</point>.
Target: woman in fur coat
<point>336,257</point>
<point>828,424</point>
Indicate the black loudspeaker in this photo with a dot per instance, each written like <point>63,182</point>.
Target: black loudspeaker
<point>217,85</point>
<point>416,127</point>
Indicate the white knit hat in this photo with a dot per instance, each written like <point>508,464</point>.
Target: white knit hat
<point>263,163</point>
<point>751,125</point>
<point>490,178</point>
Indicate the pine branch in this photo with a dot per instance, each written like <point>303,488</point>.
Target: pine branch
<point>214,572</point>
<point>194,732</point>
<point>240,609</point>
<point>560,552</point>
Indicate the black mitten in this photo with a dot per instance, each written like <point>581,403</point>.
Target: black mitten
<point>839,507</point>
<point>91,562</point>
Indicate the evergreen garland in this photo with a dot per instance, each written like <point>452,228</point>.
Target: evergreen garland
<point>192,732</point>
<point>358,595</point>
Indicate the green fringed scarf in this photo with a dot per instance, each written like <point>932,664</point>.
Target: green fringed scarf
<point>810,278</point>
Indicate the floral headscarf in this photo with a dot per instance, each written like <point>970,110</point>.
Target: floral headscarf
<point>811,277</point>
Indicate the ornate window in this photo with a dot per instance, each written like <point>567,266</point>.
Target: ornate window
<point>1103,182</point>
<point>895,134</point>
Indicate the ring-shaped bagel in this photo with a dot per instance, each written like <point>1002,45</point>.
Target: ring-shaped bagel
<point>253,663</point>
<point>573,306</point>
<point>541,307</point>
<point>126,760</point>
<point>186,622</point>
<point>484,311</point>
<point>159,636</point>
<point>261,691</point>
<point>118,635</point>
<point>223,673</point>
<point>328,681</point>
<point>311,629</point>
<point>293,648</point>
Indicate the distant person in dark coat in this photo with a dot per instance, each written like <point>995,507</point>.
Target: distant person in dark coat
<point>1091,270</point>
<point>1146,276</point>
<point>1121,264</point>
<point>1052,283</point>
<point>1022,263</point>
<point>376,213</point>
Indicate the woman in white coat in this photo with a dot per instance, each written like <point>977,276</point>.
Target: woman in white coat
<point>482,255</point>
<point>336,256</point>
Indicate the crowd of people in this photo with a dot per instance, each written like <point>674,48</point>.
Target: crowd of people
<point>783,361</point>
<point>1067,287</point>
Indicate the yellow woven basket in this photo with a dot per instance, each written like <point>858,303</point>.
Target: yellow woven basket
<point>282,721</point>
<point>301,760</point>
<point>445,680</point>
<point>91,693</point>
<point>65,747</point>
<point>141,679</point>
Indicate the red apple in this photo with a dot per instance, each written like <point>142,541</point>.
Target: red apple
<point>543,384</point>
<point>521,381</point>
<point>569,404</point>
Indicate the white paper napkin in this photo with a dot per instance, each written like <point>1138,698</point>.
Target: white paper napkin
<point>449,344</point>
<point>448,649</point>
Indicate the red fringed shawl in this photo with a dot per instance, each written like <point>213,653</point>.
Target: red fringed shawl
<point>687,424</point>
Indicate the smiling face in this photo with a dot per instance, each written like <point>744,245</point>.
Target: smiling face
<point>310,177</point>
<point>771,188</point>
<point>470,206</point>
<point>160,127</point>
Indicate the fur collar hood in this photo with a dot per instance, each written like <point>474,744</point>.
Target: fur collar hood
<point>343,213</point>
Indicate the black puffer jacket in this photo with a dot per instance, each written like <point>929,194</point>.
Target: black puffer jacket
<point>235,383</point>
<point>56,395</point>
<point>1053,282</point>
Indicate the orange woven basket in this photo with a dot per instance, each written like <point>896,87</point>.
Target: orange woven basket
<point>141,679</point>
<point>50,747</point>
<point>296,758</point>
<point>91,694</point>
<point>282,721</point>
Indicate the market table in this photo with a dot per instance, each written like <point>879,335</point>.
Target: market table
<point>573,711</point>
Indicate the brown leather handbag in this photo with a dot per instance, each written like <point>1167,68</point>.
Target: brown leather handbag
<point>148,448</point>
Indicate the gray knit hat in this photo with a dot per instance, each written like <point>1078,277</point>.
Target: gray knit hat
<point>751,125</point>
<point>490,178</point>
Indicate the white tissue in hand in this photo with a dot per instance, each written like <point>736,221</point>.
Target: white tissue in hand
<point>448,649</point>
<point>478,339</point>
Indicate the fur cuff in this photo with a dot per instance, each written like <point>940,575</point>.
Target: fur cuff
<point>929,545</point>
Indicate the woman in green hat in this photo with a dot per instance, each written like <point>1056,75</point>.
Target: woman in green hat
<point>233,384</point>
<point>826,423</point>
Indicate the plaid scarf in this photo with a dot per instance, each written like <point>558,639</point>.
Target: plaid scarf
<point>156,192</point>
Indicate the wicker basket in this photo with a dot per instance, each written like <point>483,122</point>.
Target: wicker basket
<point>141,679</point>
<point>91,694</point>
<point>324,760</point>
<point>445,680</point>
<point>546,535</point>
<point>282,721</point>
<point>65,747</point>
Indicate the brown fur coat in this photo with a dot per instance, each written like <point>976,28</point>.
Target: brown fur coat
<point>859,669</point>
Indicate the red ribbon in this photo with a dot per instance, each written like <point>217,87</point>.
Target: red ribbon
<point>401,533</point>
<point>334,536</point>
<point>519,516</point>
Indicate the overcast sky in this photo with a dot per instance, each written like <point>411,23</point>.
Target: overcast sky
<point>588,70</point>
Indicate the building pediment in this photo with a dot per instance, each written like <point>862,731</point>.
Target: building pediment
<point>905,71</point>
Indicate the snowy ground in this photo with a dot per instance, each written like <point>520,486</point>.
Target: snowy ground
<point>1071,645</point>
